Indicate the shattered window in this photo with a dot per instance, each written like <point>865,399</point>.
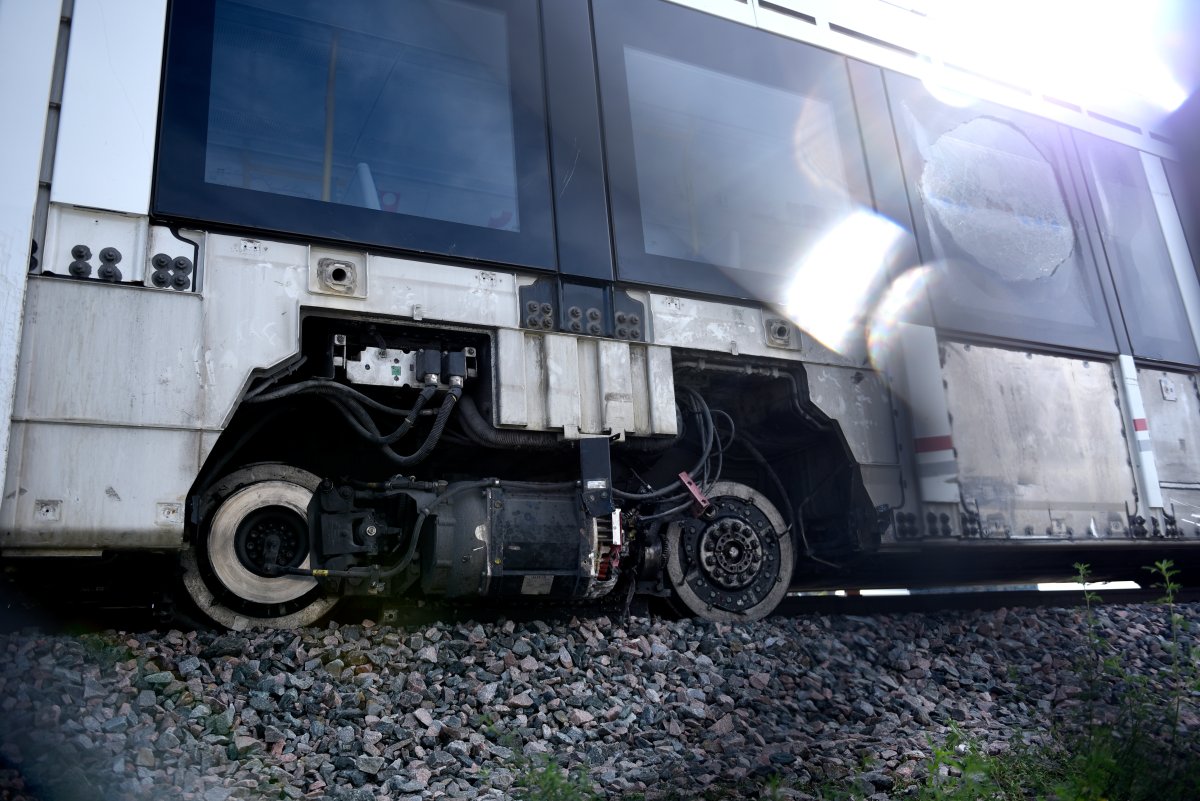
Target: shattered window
<point>989,189</point>
<point>997,223</point>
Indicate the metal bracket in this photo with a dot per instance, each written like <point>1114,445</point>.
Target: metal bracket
<point>701,505</point>
<point>595,468</point>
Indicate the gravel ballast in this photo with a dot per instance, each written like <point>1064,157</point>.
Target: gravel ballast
<point>662,708</point>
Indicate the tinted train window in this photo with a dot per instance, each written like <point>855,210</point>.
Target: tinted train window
<point>996,220</point>
<point>417,125</point>
<point>730,151</point>
<point>1137,254</point>
<point>1184,186</point>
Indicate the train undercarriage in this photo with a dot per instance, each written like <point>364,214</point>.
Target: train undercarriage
<point>409,491</point>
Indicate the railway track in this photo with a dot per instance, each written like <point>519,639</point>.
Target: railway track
<point>134,594</point>
<point>965,599</point>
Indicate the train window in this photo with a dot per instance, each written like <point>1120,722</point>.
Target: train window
<point>1184,188</point>
<point>730,151</point>
<point>1137,252</point>
<point>995,220</point>
<point>416,125</point>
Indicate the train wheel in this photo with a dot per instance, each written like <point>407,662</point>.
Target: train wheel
<point>254,517</point>
<point>735,566</point>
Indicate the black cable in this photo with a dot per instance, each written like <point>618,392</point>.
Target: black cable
<point>435,433</point>
<point>732,428</point>
<point>796,520</point>
<point>358,418</point>
<point>325,386</point>
<point>422,399</point>
<point>215,467</point>
<point>821,484</point>
<point>275,379</point>
<point>674,486</point>
<point>668,512</point>
<point>484,433</point>
<point>720,448</point>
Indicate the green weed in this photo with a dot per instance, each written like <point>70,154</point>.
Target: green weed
<point>544,780</point>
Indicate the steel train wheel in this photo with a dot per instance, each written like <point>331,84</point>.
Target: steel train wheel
<point>254,517</point>
<point>736,566</point>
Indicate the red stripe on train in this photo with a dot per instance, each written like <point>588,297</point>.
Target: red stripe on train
<point>1140,424</point>
<point>932,444</point>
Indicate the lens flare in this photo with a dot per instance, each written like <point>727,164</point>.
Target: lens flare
<point>893,309</point>
<point>1096,53</point>
<point>839,278</point>
<point>949,87</point>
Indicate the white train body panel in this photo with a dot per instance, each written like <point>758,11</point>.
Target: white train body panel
<point>28,38</point>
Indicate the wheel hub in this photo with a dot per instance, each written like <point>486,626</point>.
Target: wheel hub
<point>271,537</point>
<point>735,567</point>
<point>259,526</point>
<point>731,553</point>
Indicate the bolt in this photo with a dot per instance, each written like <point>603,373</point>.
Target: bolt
<point>547,308</point>
<point>81,252</point>
<point>532,305</point>
<point>370,531</point>
<point>575,312</point>
<point>593,314</point>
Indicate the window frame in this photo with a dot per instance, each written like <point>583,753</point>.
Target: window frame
<point>181,194</point>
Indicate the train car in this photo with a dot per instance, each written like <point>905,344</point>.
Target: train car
<point>556,300</point>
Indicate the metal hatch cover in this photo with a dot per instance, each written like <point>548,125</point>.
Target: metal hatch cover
<point>1040,441</point>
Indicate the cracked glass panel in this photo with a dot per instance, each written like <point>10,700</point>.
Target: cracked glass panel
<point>997,197</point>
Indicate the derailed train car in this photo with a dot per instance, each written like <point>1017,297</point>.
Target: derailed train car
<point>562,300</point>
